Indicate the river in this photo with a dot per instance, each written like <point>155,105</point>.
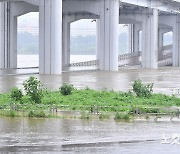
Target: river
<point>66,136</point>
<point>33,60</point>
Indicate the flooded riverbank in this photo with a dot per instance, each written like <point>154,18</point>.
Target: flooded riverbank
<point>31,135</point>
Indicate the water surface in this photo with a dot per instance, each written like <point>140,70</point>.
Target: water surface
<point>23,135</point>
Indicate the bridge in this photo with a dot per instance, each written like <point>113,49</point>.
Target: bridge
<point>153,18</point>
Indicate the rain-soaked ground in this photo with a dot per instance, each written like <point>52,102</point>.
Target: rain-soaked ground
<point>23,135</point>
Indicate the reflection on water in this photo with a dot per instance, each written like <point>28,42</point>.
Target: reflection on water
<point>81,136</point>
<point>164,79</point>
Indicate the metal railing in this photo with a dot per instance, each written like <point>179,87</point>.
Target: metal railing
<point>87,63</point>
<point>128,55</point>
<point>165,58</point>
<point>165,62</point>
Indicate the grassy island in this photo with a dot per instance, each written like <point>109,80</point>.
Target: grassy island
<point>36,101</point>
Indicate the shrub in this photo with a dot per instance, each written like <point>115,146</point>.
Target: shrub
<point>85,115</point>
<point>33,88</point>
<point>104,116</point>
<point>9,113</point>
<point>142,90</point>
<point>12,113</point>
<point>66,89</point>
<point>16,94</point>
<point>40,114</point>
<point>121,116</point>
<point>31,114</point>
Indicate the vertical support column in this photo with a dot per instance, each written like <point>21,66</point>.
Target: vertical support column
<point>2,35</point>
<point>161,33</point>
<point>13,42</point>
<point>137,29</point>
<point>150,40</point>
<point>50,37</point>
<point>66,42</point>
<point>8,36</point>
<point>5,23</point>
<point>130,38</point>
<point>176,41</point>
<point>98,39</point>
<point>109,20</point>
<point>160,43</point>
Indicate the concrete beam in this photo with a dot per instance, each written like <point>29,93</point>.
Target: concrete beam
<point>162,5</point>
<point>81,6</point>
<point>21,8</point>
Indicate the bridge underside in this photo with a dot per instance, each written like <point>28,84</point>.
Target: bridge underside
<point>153,18</point>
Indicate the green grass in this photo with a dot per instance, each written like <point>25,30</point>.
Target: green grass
<point>9,113</point>
<point>93,101</point>
<point>122,116</point>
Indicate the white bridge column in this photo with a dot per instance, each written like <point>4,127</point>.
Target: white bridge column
<point>130,38</point>
<point>8,48</point>
<point>137,29</point>
<point>161,34</point>
<point>176,41</point>
<point>98,39</point>
<point>3,60</point>
<point>66,41</point>
<point>109,20</point>
<point>150,40</point>
<point>50,37</point>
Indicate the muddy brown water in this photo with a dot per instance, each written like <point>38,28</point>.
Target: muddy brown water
<point>24,135</point>
<point>165,79</point>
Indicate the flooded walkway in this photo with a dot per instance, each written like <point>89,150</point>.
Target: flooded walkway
<point>66,136</point>
<point>166,80</point>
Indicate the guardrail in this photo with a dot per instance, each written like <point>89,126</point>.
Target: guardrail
<point>87,63</point>
<point>166,62</point>
<point>164,57</point>
<point>94,109</point>
<point>128,55</point>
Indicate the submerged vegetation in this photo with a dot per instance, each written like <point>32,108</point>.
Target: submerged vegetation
<point>38,101</point>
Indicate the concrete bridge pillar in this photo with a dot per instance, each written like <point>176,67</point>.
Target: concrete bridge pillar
<point>98,39</point>
<point>50,12</point>
<point>130,38</point>
<point>66,41</point>
<point>150,40</point>
<point>8,30</point>
<point>160,37</point>
<point>176,41</point>
<point>137,29</point>
<point>109,21</point>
